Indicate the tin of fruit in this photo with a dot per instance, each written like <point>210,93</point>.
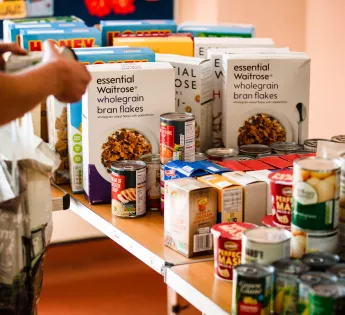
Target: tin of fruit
<point>287,272</point>
<point>220,154</point>
<point>316,187</point>
<point>339,139</point>
<point>177,137</point>
<point>320,261</point>
<point>339,271</point>
<point>227,239</point>
<point>265,245</point>
<point>285,147</point>
<point>311,144</point>
<point>252,290</point>
<point>128,188</point>
<point>201,156</point>
<point>254,149</point>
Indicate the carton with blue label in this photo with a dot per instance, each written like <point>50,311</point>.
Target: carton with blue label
<point>111,29</point>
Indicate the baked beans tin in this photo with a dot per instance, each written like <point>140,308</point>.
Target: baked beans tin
<point>227,240</point>
<point>201,156</point>
<point>281,192</point>
<point>177,137</point>
<point>316,187</point>
<point>320,261</point>
<point>153,187</point>
<point>339,139</point>
<point>252,290</point>
<point>311,144</point>
<point>285,147</point>
<point>221,154</point>
<point>287,273</point>
<point>307,241</point>
<point>339,271</point>
<point>128,189</point>
<point>265,245</point>
<point>254,149</point>
<point>162,187</point>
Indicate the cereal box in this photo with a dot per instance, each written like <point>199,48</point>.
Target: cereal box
<point>121,110</point>
<point>111,29</point>
<point>190,211</point>
<point>257,92</point>
<point>32,40</point>
<point>193,84</point>
<point>164,45</point>
<point>92,56</point>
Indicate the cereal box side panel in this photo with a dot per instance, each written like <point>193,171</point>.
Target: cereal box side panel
<point>85,144</point>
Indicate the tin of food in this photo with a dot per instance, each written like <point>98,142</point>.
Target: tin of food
<point>221,154</point>
<point>227,240</point>
<point>265,245</point>
<point>285,147</point>
<point>327,299</point>
<point>252,290</point>
<point>128,189</point>
<point>177,137</point>
<point>287,273</point>
<point>201,156</point>
<point>339,139</point>
<point>254,149</point>
<point>308,280</point>
<point>320,261</point>
<point>316,188</point>
<point>339,271</point>
<point>268,155</point>
<point>311,144</point>
<point>281,192</point>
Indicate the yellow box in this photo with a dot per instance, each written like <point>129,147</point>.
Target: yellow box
<point>183,46</point>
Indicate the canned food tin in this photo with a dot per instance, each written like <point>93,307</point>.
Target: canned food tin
<point>240,158</point>
<point>311,144</point>
<point>177,137</point>
<point>306,241</point>
<point>308,280</point>
<point>320,261</point>
<point>227,240</point>
<point>287,272</point>
<point>201,156</point>
<point>221,154</point>
<point>254,149</point>
<point>339,271</point>
<point>281,192</point>
<point>252,290</point>
<point>162,187</point>
<point>285,147</point>
<point>265,245</point>
<point>327,299</point>
<point>128,188</point>
<point>153,187</point>
<point>342,190</point>
<point>316,183</point>
<point>339,139</point>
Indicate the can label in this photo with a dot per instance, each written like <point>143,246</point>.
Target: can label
<point>285,295</point>
<point>321,305</point>
<point>153,187</point>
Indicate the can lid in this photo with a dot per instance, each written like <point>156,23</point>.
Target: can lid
<point>334,290</point>
<point>239,158</point>
<point>254,270</point>
<point>254,149</point>
<point>222,152</point>
<point>290,266</point>
<point>231,230</point>
<point>313,142</point>
<point>127,165</point>
<point>338,270</point>
<point>283,177</point>
<point>339,139</point>
<point>318,164</point>
<point>177,116</point>
<point>201,156</point>
<point>268,235</point>
<point>317,277</point>
<point>320,260</point>
<point>287,147</point>
<point>150,158</point>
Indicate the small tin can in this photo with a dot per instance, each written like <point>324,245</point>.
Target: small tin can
<point>285,147</point>
<point>153,187</point>
<point>339,271</point>
<point>227,240</point>
<point>128,189</point>
<point>307,241</point>
<point>162,187</point>
<point>281,193</point>
<point>339,139</point>
<point>177,137</point>
<point>221,154</point>
<point>316,186</point>
<point>252,290</point>
<point>327,299</point>
<point>287,273</point>
<point>265,245</point>
<point>201,156</point>
<point>311,144</point>
<point>320,261</point>
<point>308,280</point>
<point>254,149</point>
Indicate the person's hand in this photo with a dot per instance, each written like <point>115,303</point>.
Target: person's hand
<point>71,77</point>
<point>10,47</point>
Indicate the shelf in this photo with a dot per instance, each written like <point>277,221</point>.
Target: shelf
<point>199,286</point>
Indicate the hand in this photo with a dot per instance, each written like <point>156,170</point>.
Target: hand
<point>71,77</point>
<point>11,47</point>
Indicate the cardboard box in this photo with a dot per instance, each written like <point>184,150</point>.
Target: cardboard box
<point>39,8</point>
<point>190,210</point>
<point>230,198</point>
<point>123,101</point>
<point>111,29</point>
<point>183,46</point>
<point>255,196</point>
<point>193,84</point>
<point>257,91</point>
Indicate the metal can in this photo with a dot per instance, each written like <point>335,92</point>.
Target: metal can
<point>306,241</point>
<point>339,271</point>
<point>162,187</point>
<point>254,149</point>
<point>339,139</point>
<point>320,261</point>
<point>285,147</point>
<point>311,144</point>
<point>153,187</point>
<point>265,245</point>
<point>316,183</point>
<point>342,190</point>
<point>227,240</point>
<point>128,189</point>
<point>201,156</point>
<point>281,192</point>
<point>252,290</point>
<point>177,137</point>
<point>287,272</point>
<point>308,280</point>
<point>221,154</point>
<point>327,299</point>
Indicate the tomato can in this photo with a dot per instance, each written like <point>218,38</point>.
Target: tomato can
<point>252,290</point>
<point>177,137</point>
<point>227,239</point>
<point>281,192</point>
<point>161,171</point>
<point>128,189</point>
<point>265,245</point>
<point>320,261</point>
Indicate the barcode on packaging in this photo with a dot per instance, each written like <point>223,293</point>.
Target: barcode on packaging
<point>202,242</point>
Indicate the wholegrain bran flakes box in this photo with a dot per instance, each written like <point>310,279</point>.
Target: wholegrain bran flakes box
<point>193,87</point>
<point>121,118</point>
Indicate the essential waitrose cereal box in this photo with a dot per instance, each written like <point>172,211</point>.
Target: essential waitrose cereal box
<point>92,56</point>
<point>121,118</point>
<point>111,29</point>
<point>32,40</point>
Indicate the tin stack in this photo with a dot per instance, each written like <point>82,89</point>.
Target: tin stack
<point>315,215</point>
